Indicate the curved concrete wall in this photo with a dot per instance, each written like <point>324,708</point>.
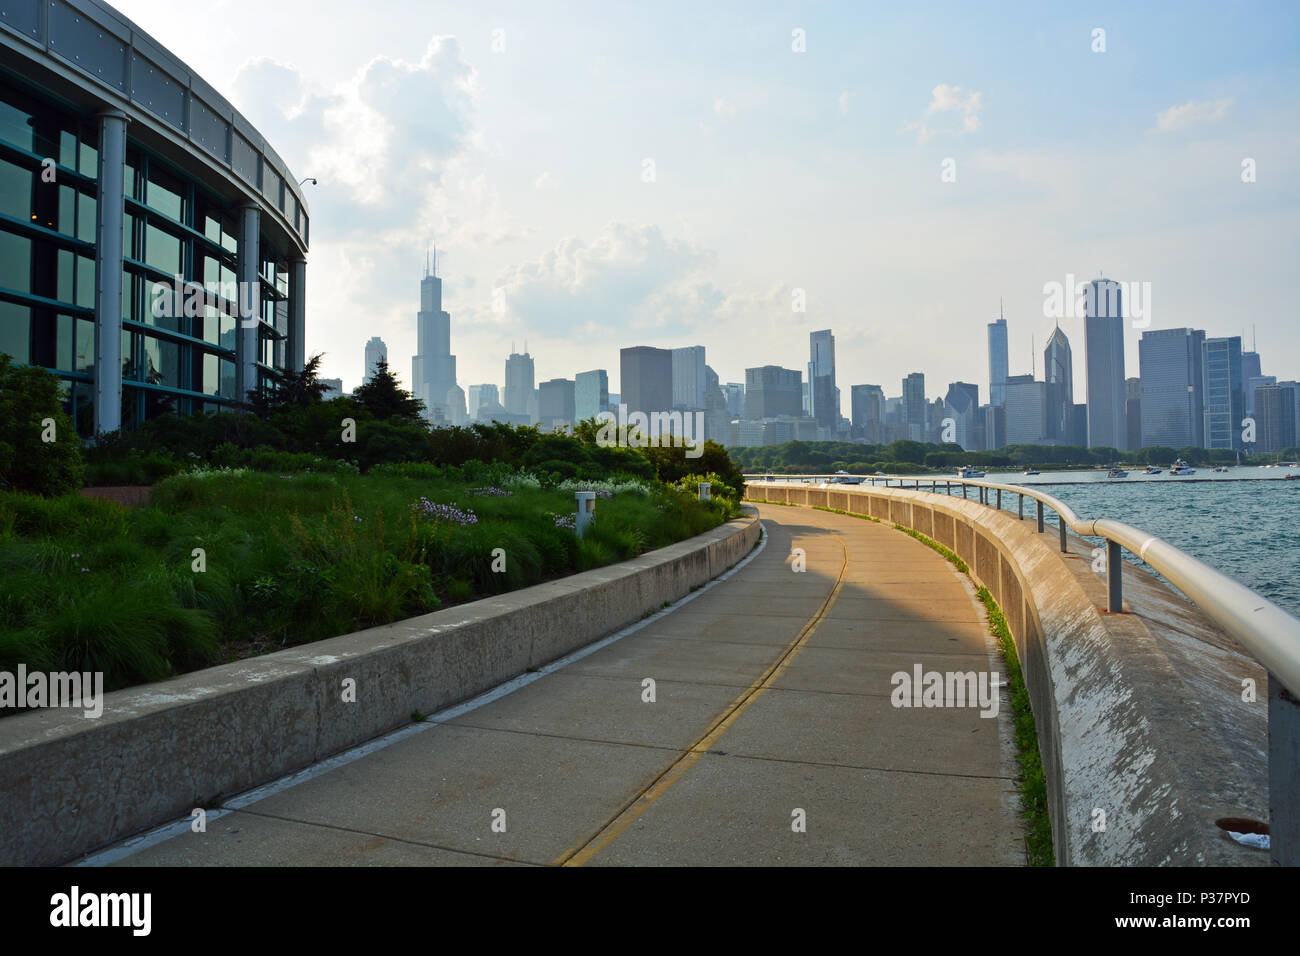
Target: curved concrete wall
<point>1112,716</point>
<point>70,785</point>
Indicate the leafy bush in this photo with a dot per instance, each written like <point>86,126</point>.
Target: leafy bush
<point>39,448</point>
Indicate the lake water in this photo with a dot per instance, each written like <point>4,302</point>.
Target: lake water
<point>1245,522</point>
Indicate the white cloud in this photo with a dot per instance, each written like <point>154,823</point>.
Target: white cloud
<point>627,276</point>
<point>844,103</point>
<point>724,107</point>
<point>1191,113</point>
<point>946,98</point>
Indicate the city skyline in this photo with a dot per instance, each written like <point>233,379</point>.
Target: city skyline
<point>1036,410</point>
<point>492,153</point>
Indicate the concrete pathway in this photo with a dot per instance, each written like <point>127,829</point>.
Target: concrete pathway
<point>772,706</point>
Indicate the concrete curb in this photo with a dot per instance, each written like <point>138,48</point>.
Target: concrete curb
<point>1101,689</point>
<point>70,785</point>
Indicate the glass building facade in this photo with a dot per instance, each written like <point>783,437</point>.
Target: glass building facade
<point>153,325</point>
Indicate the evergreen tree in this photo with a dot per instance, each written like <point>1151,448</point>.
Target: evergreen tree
<point>385,398</point>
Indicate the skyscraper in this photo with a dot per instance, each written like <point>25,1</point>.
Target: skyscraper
<point>1275,414</point>
<point>1225,392</point>
<point>376,352</point>
<point>519,382</point>
<point>1026,408</point>
<point>1058,373</point>
<point>433,367</point>
<point>868,410</point>
<point>1173,393</point>
<point>555,403</point>
<point>998,362</point>
<point>772,391</point>
<point>1103,346</point>
<point>916,412</point>
<point>590,394</point>
<point>1132,413</point>
<point>480,395</point>
<point>961,404</point>
<point>735,393</point>
<point>688,377</point>
<point>646,379</point>
<point>822,394</point>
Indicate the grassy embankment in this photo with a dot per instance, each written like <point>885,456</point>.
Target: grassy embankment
<point>289,559</point>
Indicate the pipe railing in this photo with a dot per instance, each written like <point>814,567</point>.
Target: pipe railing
<point>1266,631</point>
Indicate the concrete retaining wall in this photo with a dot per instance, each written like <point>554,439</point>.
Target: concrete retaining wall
<point>70,785</point>
<point>1113,712</point>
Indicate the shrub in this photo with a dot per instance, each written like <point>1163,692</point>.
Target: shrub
<point>39,448</point>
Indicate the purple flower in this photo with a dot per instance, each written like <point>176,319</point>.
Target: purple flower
<point>440,512</point>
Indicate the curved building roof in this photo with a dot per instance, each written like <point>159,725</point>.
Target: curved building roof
<point>88,54</point>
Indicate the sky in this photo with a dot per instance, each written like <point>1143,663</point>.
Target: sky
<point>602,175</point>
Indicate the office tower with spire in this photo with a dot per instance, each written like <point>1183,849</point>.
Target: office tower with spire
<point>1058,373</point>
<point>998,360</point>
<point>433,368</point>
<point>1103,350</point>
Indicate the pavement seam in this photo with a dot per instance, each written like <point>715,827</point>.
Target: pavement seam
<point>585,851</point>
<point>385,836</point>
<point>741,756</point>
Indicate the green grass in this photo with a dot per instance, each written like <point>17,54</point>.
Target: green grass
<point>1033,782</point>
<point>289,559</point>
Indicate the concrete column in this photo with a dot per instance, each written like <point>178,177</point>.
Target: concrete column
<point>297,350</point>
<point>110,211</point>
<point>250,300</point>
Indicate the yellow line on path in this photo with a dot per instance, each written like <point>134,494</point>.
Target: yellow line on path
<point>583,852</point>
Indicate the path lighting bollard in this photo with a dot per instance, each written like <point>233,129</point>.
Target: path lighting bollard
<point>586,510</point>
<point>704,487</point>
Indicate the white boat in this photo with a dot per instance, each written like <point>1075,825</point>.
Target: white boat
<point>1117,473</point>
<point>1181,467</point>
<point>970,471</point>
<point>1152,470</point>
<point>1029,471</point>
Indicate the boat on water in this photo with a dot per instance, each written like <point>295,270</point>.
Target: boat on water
<point>970,471</point>
<point>1152,470</point>
<point>1180,467</point>
<point>1029,471</point>
<point>1117,473</point>
<point>1220,468</point>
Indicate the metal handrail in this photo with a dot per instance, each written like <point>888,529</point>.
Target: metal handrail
<point>1266,631</point>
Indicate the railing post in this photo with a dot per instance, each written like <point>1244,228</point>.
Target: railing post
<point>1040,516</point>
<point>1283,774</point>
<point>1022,507</point>
<point>999,499</point>
<point>947,488</point>
<point>963,489</point>
<point>1115,578</point>
<point>1060,519</point>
